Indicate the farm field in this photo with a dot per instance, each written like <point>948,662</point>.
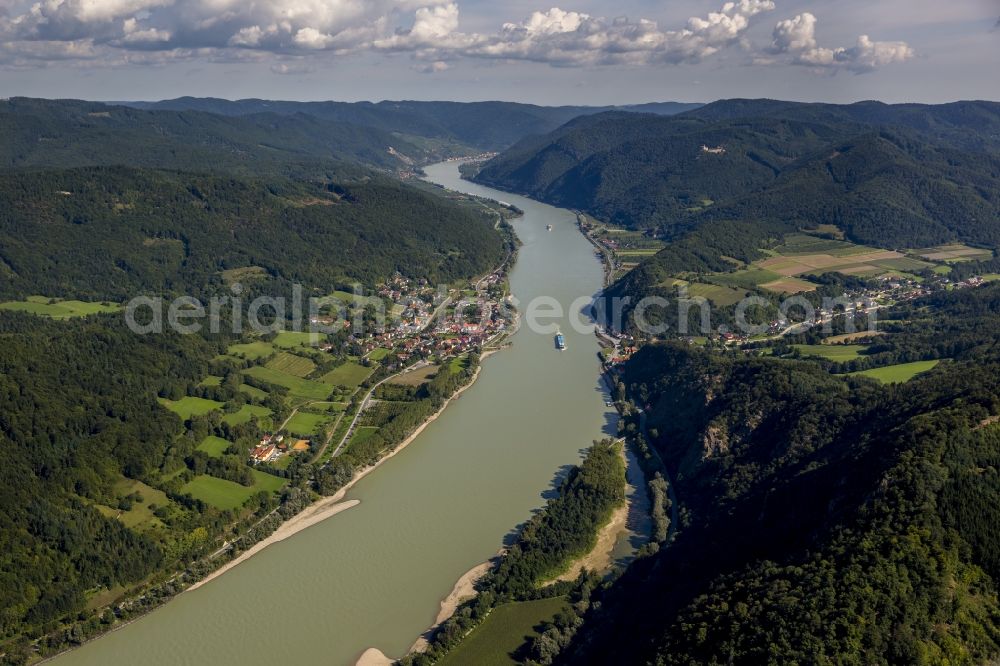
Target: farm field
<point>836,353</point>
<point>898,374</point>
<point>503,632</point>
<point>213,446</point>
<point>245,413</point>
<point>227,495</point>
<point>41,305</point>
<point>190,406</point>
<point>252,351</point>
<point>803,255</point>
<point>954,252</point>
<point>297,387</point>
<point>749,278</point>
<point>292,364</point>
<point>789,285</point>
<point>307,423</point>
<point>349,374</point>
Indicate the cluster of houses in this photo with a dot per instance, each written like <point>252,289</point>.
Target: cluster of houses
<point>411,333</point>
<point>273,447</point>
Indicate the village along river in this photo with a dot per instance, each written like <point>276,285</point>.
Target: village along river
<point>374,575</point>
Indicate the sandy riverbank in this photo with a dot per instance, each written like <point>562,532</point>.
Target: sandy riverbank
<point>464,590</point>
<point>602,556</point>
<point>314,513</point>
<point>374,657</point>
<point>330,506</point>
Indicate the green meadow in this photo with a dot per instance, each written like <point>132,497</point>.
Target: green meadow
<point>252,351</point>
<point>245,413</point>
<point>50,307</point>
<point>836,353</point>
<point>214,446</point>
<point>349,374</point>
<point>307,423</point>
<point>900,373</point>
<point>227,495</point>
<point>190,406</point>
<point>297,387</point>
<point>508,627</point>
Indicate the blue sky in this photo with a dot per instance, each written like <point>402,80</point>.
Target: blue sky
<point>560,52</point>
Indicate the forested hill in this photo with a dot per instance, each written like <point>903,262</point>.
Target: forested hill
<point>67,133</point>
<point>824,519</point>
<point>895,173</point>
<point>483,125</point>
<point>115,232</point>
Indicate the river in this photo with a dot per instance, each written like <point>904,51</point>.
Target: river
<point>373,576</point>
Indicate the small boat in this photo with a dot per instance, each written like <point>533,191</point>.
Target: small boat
<point>548,227</point>
<point>560,342</point>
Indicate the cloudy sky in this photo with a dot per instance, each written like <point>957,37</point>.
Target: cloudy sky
<point>577,52</point>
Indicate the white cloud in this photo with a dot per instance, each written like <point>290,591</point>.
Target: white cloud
<point>797,37</point>
<point>795,34</point>
<point>123,30</point>
<point>432,67</point>
<point>572,38</point>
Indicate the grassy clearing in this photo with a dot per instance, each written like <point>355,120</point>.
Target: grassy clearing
<point>293,339</point>
<point>506,629</point>
<point>898,374</point>
<point>355,299</point>
<point>348,374</point>
<point>211,380</point>
<point>292,364</point>
<point>234,275</point>
<point>329,406</point>
<point>379,353</point>
<point>297,387</point>
<point>307,423</point>
<point>749,278</point>
<point>227,495</point>
<point>253,392</point>
<point>416,377</point>
<point>458,364</point>
<point>850,337</point>
<point>140,516</point>
<point>245,413</point>
<point>836,353</point>
<point>795,244</point>
<point>190,406</point>
<point>716,293</point>
<point>252,351</point>
<point>50,307</point>
<point>361,435</point>
<point>214,446</point>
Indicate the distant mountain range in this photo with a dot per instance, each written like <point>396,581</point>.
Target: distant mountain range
<point>886,173</point>
<point>483,125</point>
<point>259,137</point>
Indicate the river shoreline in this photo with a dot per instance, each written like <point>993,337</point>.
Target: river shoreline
<point>337,600</point>
<point>330,506</point>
